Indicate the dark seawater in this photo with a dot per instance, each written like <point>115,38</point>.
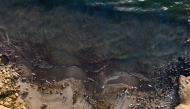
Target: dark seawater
<point>129,35</point>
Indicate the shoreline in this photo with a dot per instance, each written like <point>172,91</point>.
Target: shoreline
<point>112,96</point>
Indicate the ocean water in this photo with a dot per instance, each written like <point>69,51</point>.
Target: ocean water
<point>129,35</point>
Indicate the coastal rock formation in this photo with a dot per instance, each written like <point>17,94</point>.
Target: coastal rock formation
<point>184,92</point>
<point>9,89</point>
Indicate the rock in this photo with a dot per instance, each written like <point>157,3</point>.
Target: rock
<point>13,97</point>
<point>16,94</point>
<point>19,104</point>
<point>61,93</point>
<point>18,90</point>
<point>184,93</point>
<point>18,86</point>
<point>8,99</point>
<point>8,76</point>
<point>43,88</point>
<point>25,92</point>
<point>63,85</point>
<point>6,104</point>
<point>1,102</point>
<point>23,107</point>
<point>5,81</point>
<point>3,71</point>
<point>2,107</point>
<point>44,106</point>
<point>24,79</point>
<point>15,75</point>
<point>31,85</point>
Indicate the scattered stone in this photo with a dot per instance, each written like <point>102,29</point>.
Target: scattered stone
<point>63,86</point>
<point>61,93</point>
<point>44,106</point>
<point>25,92</point>
<point>24,79</point>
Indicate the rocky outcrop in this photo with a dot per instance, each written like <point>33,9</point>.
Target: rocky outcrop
<point>184,93</point>
<point>9,89</point>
